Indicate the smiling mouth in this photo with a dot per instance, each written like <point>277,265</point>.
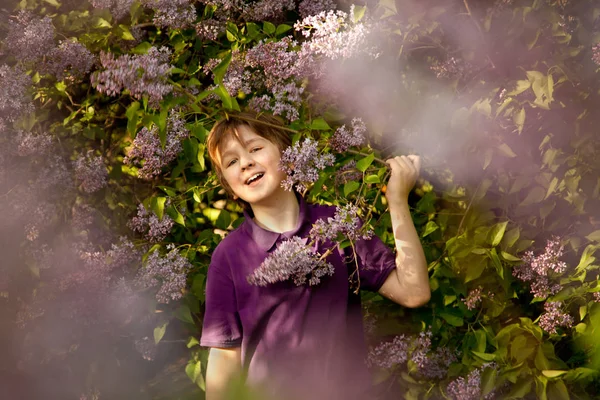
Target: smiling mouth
<point>254,178</point>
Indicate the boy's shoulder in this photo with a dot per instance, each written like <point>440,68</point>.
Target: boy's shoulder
<point>321,211</point>
<point>236,239</point>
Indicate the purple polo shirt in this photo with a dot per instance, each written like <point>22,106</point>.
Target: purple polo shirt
<point>302,342</point>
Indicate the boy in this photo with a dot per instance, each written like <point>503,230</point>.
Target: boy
<point>296,342</point>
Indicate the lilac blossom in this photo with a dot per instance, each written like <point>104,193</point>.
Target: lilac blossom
<point>452,68</point>
<point>29,143</point>
<point>146,347</point>
<point>144,74</point>
<point>466,389</point>
<point>344,138</point>
<point>29,38</point>
<point>69,58</point>
<point>148,224</point>
<point>473,299</point>
<point>554,317</point>
<point>267,10</point>
<point>82,216</point>
<point>334,35</point>
<point>596,297</point>
<point>292,259</point>
<point>55,174</point>
<point>90,172</point>
<point>539,271</point>
<point>210,29</point>
<point>345,223</point>
<point>307,8</point>
<point>174,14</point>
<point>123,254</point>
<point>430,364</point>
<point>596,54</point>
<point>302,162</point>
<point>118,8</point>
<point>146,147</point>
<point>14,84</point>
<point>168,272</point>
<point>389,354</point>
<point>347,173</point>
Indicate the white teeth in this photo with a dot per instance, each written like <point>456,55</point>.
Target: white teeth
<point>254,177</point>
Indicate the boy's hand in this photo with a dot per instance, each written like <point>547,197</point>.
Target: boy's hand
<point>405,171</point>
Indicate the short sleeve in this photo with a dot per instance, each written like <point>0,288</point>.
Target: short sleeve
<point>221,326</point>
<point>375,262</point>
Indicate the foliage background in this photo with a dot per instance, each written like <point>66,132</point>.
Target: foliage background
<point>498,97</point>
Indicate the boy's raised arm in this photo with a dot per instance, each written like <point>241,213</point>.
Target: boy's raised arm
<point>408,284</point>
<point>224,367</point>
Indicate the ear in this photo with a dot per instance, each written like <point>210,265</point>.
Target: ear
<point>235,197</point>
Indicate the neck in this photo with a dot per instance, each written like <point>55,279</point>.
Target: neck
<point>280,214</point>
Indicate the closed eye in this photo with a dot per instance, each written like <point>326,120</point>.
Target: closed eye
<point>231,162</point>
<point>255,149</point>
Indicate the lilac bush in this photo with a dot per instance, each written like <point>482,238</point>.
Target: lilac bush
<point>345,222</point>
<point>29,38</point>
<point>389,354</point>
<point>118,8</point>
<point>173,14</point>
<point>306,8</point>
<point>292,259</point>
<point>69,58</point>
<point>553,317</point>
<point>344,138</point>
<point>14,86</point>
<point>90,172</point>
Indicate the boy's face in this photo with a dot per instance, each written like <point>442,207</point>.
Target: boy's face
<point>251,166</point>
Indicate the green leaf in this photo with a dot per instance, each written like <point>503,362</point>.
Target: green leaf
<point>594,236</point>
<point>158,206</point>
<point>372,179</point>
<point>220,70</point>
<point>184,314</point>
<point>453,320</point>
<point>519,119</point>
<point>484,356</point>
<point>126,33</point>
<point>192,341</point>
<point>132,117</point>
<point>319,124</point>
<point>535,195</point>
<point>497,263</point>
<point>175,215</point>
<point>430,227</point>
<point>511,237</point>
<point>159,332</point>
<point>365,163</point>
<point>198,285</point>
<point>53,2</point>
<point>102,23</point>
<point>350,187</point>
<point>282,28</point>
<point>496,234</point>
<point>359,13</point>
<point>269,28</point>
<point>224,220</point>
<point>552,373</point>
<point>509,257</point>
<point>520,87</point>
<point>506,151</point>
<point>193,370</point>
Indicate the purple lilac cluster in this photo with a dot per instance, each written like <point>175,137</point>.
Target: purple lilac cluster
<point>55,174</point>
<point>123,254</point>
<point>292,259</point>
<point>345,222</point>
<point>596,297</point>
<point>210,29</point>
<point>118,8</point>
<point>389,354</point>
<point>146,347</point>
<point>347,173</point>
<point>174,14</point>
<point>538,271</point>
<point>146,147</point>
<point>144,74</point>
<point>168,272</point>
<point>302,163</point>
<point>29,143</point>
<point>473,298</point>
<point>148,224</point>
<point>452,68</point>
<point>334,35</point>
<point>306,8</point>
<point>14,84</point>
<point>82,216</point>
<point>267,10</point>
<point>554,317</point>
<point>90,172</point>
<point>431,364</point>
<point>41,218</point>
<point>466,389</point>
<point>596,54</point>
<point>344,138</point>
<point>69,58</point>
<point>29,38</point>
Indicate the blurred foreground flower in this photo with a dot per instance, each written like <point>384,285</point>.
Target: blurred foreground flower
<point>292,259</point>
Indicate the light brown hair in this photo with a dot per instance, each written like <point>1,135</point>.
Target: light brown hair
<point>265,125</point>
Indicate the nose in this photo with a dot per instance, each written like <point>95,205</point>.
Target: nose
<point>247,162</point>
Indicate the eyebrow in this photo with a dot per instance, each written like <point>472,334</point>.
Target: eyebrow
<point>246,144</point>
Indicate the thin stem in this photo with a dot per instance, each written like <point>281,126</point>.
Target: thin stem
<point>379,160</point>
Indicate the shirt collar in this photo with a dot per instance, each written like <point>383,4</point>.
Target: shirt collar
<point>266,239</point>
